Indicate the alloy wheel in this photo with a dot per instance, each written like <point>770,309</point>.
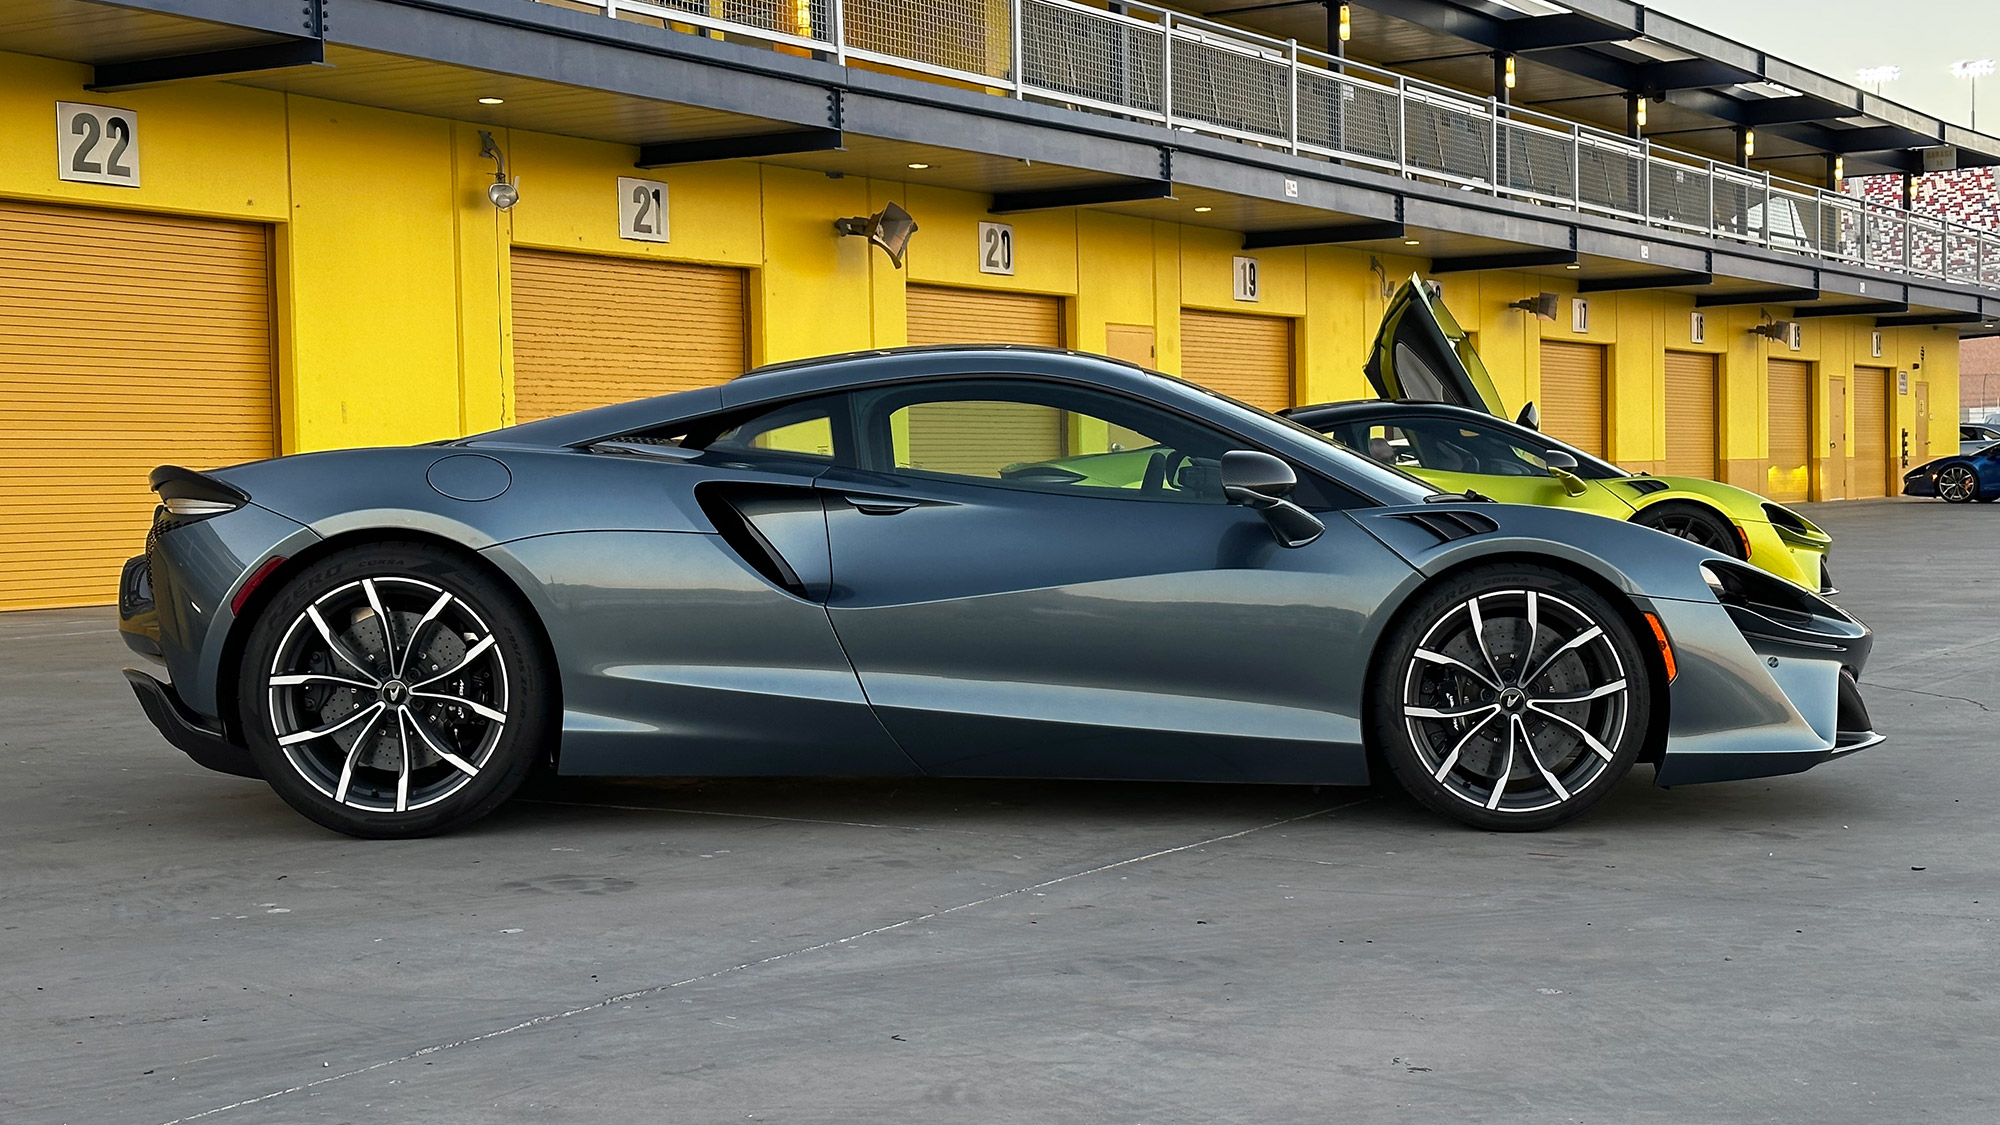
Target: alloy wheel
<point>1957,484</point>
<point>1514,700</point>
<point>388,694</point>
<point>1695,529</point>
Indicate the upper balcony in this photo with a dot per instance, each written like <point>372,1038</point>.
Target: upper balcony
<point>1189,74</point>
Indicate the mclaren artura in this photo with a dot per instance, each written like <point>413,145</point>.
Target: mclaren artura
<point>876,564</point>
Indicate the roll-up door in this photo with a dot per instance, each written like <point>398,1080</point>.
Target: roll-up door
<point>1790,430</point>
<point>1690,415</point>
<point>1572,403</point>
<point>1870,404</point>
<point>1248,358</point>
<point>589,330</point>
<point>126,341</point>
<point>968,436</point>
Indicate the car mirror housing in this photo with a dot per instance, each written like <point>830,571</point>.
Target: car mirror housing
<point>1572,484</point>
<point>1259,481</point>
<point>1559,459</point>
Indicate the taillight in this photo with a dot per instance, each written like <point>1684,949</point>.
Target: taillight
<point>251,583</point>
<point>188,495</point>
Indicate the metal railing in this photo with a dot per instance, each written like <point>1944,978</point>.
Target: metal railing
<point>1144,63</point>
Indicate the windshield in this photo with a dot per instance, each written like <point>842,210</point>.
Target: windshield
<point>1395,485</point>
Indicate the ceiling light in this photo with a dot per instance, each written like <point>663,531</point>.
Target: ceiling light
<point>1653,49</point>
<point>1765,89</point>
<point>493,101</point>
<point>918,167</point>
<point>1410,242</point>
<point>1573,266</point>
<point>1203,210</point>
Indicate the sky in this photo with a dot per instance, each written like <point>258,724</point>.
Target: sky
<point>1838,37</point>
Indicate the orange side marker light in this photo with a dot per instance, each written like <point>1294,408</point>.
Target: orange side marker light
<point>1666,646</point>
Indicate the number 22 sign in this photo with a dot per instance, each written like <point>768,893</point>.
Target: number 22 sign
<point>97,144</point>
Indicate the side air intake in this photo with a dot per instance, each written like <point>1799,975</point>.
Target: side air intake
<point>1449,525</point>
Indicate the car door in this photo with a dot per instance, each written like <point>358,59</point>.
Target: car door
<point>1420,354</point>
<point>1018,601</point>
<point>1456,454</point>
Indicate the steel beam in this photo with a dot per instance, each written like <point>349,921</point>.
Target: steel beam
<point>1129,191</point>
<point>747,147</point>
<point>209,64</point>
<point>1755,297</point>
<point>1923,319</point>
<point>1642,281</point>
<point>1508,261</point>
<point>1857,308</point>
<point>1323,236</point>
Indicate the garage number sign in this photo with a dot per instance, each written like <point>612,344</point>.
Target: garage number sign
<point>642,210</point>
<point>1246,279</point>
<point>996,248</point>
<point>97,144</point>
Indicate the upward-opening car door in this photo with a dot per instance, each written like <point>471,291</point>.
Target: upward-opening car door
<point>1034,578</point>
<point>1421,354</point>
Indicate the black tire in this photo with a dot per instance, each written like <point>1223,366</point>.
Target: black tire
<point>1958,484</point>
<point>1987,497</point>
<point>1694,523</point>
<point>463,676</point>
<point>1435,695</point>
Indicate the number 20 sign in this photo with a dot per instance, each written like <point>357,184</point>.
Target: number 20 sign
<point>97,144</point>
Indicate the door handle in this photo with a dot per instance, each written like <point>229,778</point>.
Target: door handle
<point>878,505</point>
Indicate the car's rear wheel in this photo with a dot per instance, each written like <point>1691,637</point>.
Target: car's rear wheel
<point>1695,524</point>
<point>1513,698</point>
<point>394,690</point>
<point>1958,484</point>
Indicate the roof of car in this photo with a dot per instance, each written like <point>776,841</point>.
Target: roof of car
<point>1381,405</point>
<point>840,358</point>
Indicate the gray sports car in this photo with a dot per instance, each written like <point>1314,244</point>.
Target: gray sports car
<point>963,562</point>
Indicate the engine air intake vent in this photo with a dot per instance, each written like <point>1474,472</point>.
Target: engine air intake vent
<point>1646,486</point>
<point>1449,525</point>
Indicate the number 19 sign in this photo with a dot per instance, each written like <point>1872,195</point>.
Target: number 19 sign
<point>97,144</point>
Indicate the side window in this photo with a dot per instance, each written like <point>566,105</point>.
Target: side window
<point>1457,447</point>
<point>1044,437</point>
<point>812,431</point>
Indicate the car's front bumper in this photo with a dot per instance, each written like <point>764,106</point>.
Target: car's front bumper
<point>1762,693</point>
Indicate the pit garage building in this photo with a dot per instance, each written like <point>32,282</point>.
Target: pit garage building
<point>234,228</point>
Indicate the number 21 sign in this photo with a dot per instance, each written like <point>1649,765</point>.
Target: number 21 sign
<point>97,144</point>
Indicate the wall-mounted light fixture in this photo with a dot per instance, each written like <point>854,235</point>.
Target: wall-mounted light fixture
<point>1749,143</point>
<point>1510,72</point>
<point>503,192</point>
<point>1541,304</point>
<point>1791,332</point>
<point>1839,170</point>
<point>1639,113</point>
<point>890,228</point>
<point>1346,24</point>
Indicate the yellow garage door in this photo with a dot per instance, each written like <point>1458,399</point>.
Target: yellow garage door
<point>1572,403</point>
<point>974,437</point>
<point>1869,475</point>
<point>1248,358</point>
<point>589,331</point>
<point>1790,430</point>
<point>126,341</point>
<point>1690,415</point>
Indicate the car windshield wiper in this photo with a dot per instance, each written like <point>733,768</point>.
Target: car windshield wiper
<point>1459,497</point>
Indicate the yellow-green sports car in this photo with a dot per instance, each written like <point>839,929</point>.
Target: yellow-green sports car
<point>1444,422</point>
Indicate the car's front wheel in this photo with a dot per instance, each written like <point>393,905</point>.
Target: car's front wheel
<point>1695,524</point>
<point>1512,698</point>
<point>1958,484</point>
<point>394,690</point>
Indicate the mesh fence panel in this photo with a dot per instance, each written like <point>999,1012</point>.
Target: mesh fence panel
<point>1443,136</point>
<point>1232,89</point>
<point>1883,244</point>
<point>809,19</point>
<point>1793,221</point>
<point>971,36</point>
<point>1926,248</point>
<point>1840,230</point>
<point>1677,194</point>
<point>1733,202</point>
<point>1609,176</point>
<point>1537,160</point>
<point>1345,115</point>
<point>1989,265</point>
<point>1961,255</point>
<point>1088,54</point>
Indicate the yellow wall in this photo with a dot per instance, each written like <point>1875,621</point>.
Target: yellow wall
<point>392,298</point>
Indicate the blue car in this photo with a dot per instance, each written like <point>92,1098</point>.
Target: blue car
<point>1958,479</point>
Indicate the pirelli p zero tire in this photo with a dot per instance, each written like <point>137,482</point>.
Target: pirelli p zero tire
<point>394,690</point>
<point>1695,524</point>
<point>1512,698</point>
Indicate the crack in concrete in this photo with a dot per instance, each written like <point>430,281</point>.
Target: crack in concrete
<point>1932,694</point>
<point>660,989</point>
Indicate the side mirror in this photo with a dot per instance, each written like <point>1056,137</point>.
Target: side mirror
<point>1559,459</point>
<point>1530,417</point>
<point>1261,482</point>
